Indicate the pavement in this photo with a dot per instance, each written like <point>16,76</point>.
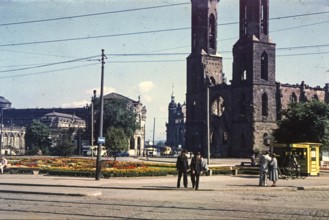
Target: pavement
<point>80,186</point>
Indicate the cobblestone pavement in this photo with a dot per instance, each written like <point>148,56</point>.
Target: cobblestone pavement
<point>219,197</point>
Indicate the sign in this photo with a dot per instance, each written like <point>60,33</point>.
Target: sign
<point>101,140</point>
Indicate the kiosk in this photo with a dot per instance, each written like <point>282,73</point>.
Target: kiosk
<point>306,155</point>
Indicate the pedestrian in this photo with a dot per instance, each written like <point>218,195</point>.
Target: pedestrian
<point>196,169</point>
<point>3,163</point>
<point>253,159</point>
<point>273,170</point>
<point>182,166</point>
<point>263,168</point>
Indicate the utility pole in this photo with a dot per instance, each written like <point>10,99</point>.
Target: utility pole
<point>99,149</point>
<point>208,128</point>
<point>92,119</point>
<point>153,132</point>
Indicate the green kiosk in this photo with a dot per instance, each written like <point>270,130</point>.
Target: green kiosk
<point>305,155</point>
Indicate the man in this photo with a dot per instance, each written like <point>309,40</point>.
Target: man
<point>196,170</point>
<point>182,166</point>
<point>3,163</point>
<point>263,168</point>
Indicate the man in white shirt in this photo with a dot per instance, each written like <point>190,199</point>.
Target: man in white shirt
<point>3,163</point>
<point>263,168</point>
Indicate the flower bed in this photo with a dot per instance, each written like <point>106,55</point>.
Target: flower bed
<point>86,167</point>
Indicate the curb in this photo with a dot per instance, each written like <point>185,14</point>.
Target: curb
<point>52,193</point>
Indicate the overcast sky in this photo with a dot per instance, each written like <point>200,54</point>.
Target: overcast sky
<point>59,35</point>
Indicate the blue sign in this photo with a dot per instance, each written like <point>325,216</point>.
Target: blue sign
<point>101,140</point>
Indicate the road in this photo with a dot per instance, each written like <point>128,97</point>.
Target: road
<point>219,197</point>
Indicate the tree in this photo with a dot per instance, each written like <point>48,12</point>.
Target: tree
<point>304,122</point>
<point>119,114</point>
<point>37,137</point>
<point>116,141</point>
<point>64,145</point>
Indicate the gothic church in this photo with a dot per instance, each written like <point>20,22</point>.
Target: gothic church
<point>242,115</point>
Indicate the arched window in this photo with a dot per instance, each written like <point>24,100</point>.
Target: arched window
<point>293,97</point>
<point>212,31</point>
<point>264,105</point>
<point>264,66</point>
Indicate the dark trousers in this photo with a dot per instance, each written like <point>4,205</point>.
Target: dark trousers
<point>195,178</point>
<point>180,173</point>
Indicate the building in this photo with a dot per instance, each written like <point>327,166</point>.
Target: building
<point>137,143</point>
<point>242,115</point>
<point>61,122</point>
<point>175,128</point>
<point>15,122</point>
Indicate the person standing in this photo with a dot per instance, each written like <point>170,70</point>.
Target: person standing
<point>263,168</point>
<point>3,163</point>
<point>182,166</point>
<point>196,169</point>
<point>273,170</point>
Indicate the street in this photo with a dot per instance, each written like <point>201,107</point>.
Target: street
<point>219,197</point>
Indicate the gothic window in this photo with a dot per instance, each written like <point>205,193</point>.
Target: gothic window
<point>212,31</point>
<point>264,66</point>
<point>264,17</point>
<point>264,105</point>
<point>293,97</point>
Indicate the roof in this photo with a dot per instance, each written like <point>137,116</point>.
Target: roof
<point>114,95</point>
<point>4,103</point>
<point>63,115</point>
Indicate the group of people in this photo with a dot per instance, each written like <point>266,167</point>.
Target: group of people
<point>3,163</point>
<point>196,168</point>
<point>268,166</point>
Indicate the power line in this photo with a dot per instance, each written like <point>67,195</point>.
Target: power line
<point>162,54</point>
<point>45,72</point>
<point>94,37</point>
<point>49,64</point>
<point>93,14</point>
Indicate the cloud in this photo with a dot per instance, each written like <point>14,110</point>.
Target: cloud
<point>76,104</point>
<point>146,86</point>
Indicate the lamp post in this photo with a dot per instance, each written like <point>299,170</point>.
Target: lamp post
<point>4,103</point>
<point>208,128</point>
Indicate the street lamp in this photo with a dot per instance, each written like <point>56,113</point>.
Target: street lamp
<point>4,103</point>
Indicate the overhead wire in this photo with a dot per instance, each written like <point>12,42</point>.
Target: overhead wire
<point>92,14</point>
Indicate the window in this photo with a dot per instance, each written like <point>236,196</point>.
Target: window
<point>264,105</point>
<point>264,66</point>
<point>293,97</point>
<point>212,31</point>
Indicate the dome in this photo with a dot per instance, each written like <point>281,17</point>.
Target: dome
<point>4,103</point>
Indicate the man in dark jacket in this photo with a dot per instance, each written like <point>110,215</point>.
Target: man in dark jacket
<point>182,166</point>
<point>196,170</point>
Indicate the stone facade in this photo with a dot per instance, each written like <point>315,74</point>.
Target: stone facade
<point>242,115</point>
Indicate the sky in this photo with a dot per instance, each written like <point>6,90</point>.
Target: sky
<point>50,50</point>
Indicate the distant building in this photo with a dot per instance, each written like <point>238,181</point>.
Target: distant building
<point>137,143</point>
<point>15,122</point>
<point>61,122</point>
<point>176,124</point>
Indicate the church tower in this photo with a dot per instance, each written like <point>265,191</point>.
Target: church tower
<point>204,69</point>
<point>253,82</point>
